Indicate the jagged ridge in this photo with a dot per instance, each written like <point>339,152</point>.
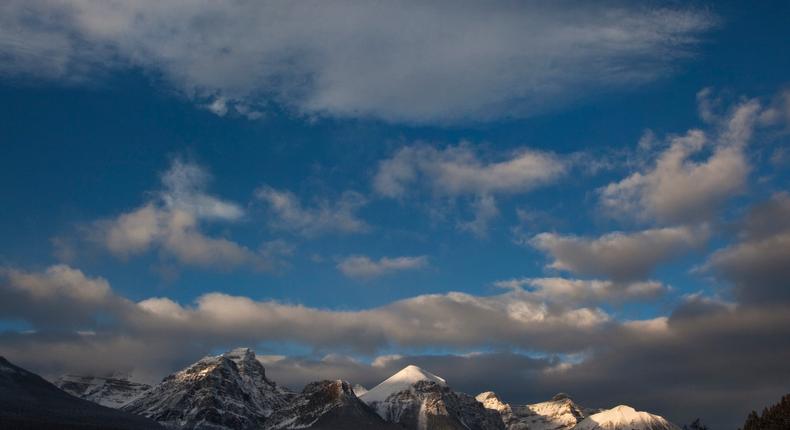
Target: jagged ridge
<point>327,405</point>
<point>228,391</point>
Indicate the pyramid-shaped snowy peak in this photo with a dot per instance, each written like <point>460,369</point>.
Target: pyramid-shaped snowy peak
<point>398,382</point>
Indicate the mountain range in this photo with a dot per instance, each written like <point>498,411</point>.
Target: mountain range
<point>231,391</point>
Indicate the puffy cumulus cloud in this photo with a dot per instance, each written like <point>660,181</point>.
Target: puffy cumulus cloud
<point>693,176</point>
<point>461,172</point>
<point>458,170</point>
<point>288,213</point>
<point>171,221</point>
<point>175,233</point>
<point>578,291</point>
<point>362,267</point>
<point>384,60</point>
<point>758,264</point>
<point>619,256</point>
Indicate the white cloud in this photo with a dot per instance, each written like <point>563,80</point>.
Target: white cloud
<point>184,184</point>
<point>288,213</point>
<point>440,61</point>
<point>362,267</point>
<point>619,256</point>
<point>679,187</point>
<point>485,211</point>
<point>171,223</point>
<point>218,107</point>
<point>458,170</point>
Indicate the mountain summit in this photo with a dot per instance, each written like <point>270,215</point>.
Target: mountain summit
<point>398,382</point>
<point>559,413</point>
<point>625,418</point>
<point>417,399</point>
<point>327,405</point>
<point>225,391</point>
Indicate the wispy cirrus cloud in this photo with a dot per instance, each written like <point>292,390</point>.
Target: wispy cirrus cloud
<point>382,60</point>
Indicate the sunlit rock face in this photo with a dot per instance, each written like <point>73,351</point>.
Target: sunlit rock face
<point>625,418</point>
<point>559,413</point>
<point>228,391</point>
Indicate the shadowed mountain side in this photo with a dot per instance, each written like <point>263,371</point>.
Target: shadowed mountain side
<point>27,401</point>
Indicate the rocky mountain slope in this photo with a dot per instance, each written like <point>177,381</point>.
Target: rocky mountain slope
<point>27,401</point>
<point>416,399</point>
<point>112,392</point>
<point>327,405</point>
<point>228,391</point>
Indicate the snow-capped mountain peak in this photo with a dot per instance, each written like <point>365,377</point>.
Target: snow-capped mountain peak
<point>491,400</point>
<point>227,391</point>
<point>416,399</point>
<point>624,417</point>
<point>559,413</point>
<point>403,380</point>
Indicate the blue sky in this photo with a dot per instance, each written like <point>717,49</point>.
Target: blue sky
<point>194,151</point>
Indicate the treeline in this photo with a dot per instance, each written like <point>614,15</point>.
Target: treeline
<point>776,417</point>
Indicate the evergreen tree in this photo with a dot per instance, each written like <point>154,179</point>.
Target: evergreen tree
<point>695,425</point>
<point>776,417</point>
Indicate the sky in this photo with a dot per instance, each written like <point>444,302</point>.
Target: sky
<point>524,197</point>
